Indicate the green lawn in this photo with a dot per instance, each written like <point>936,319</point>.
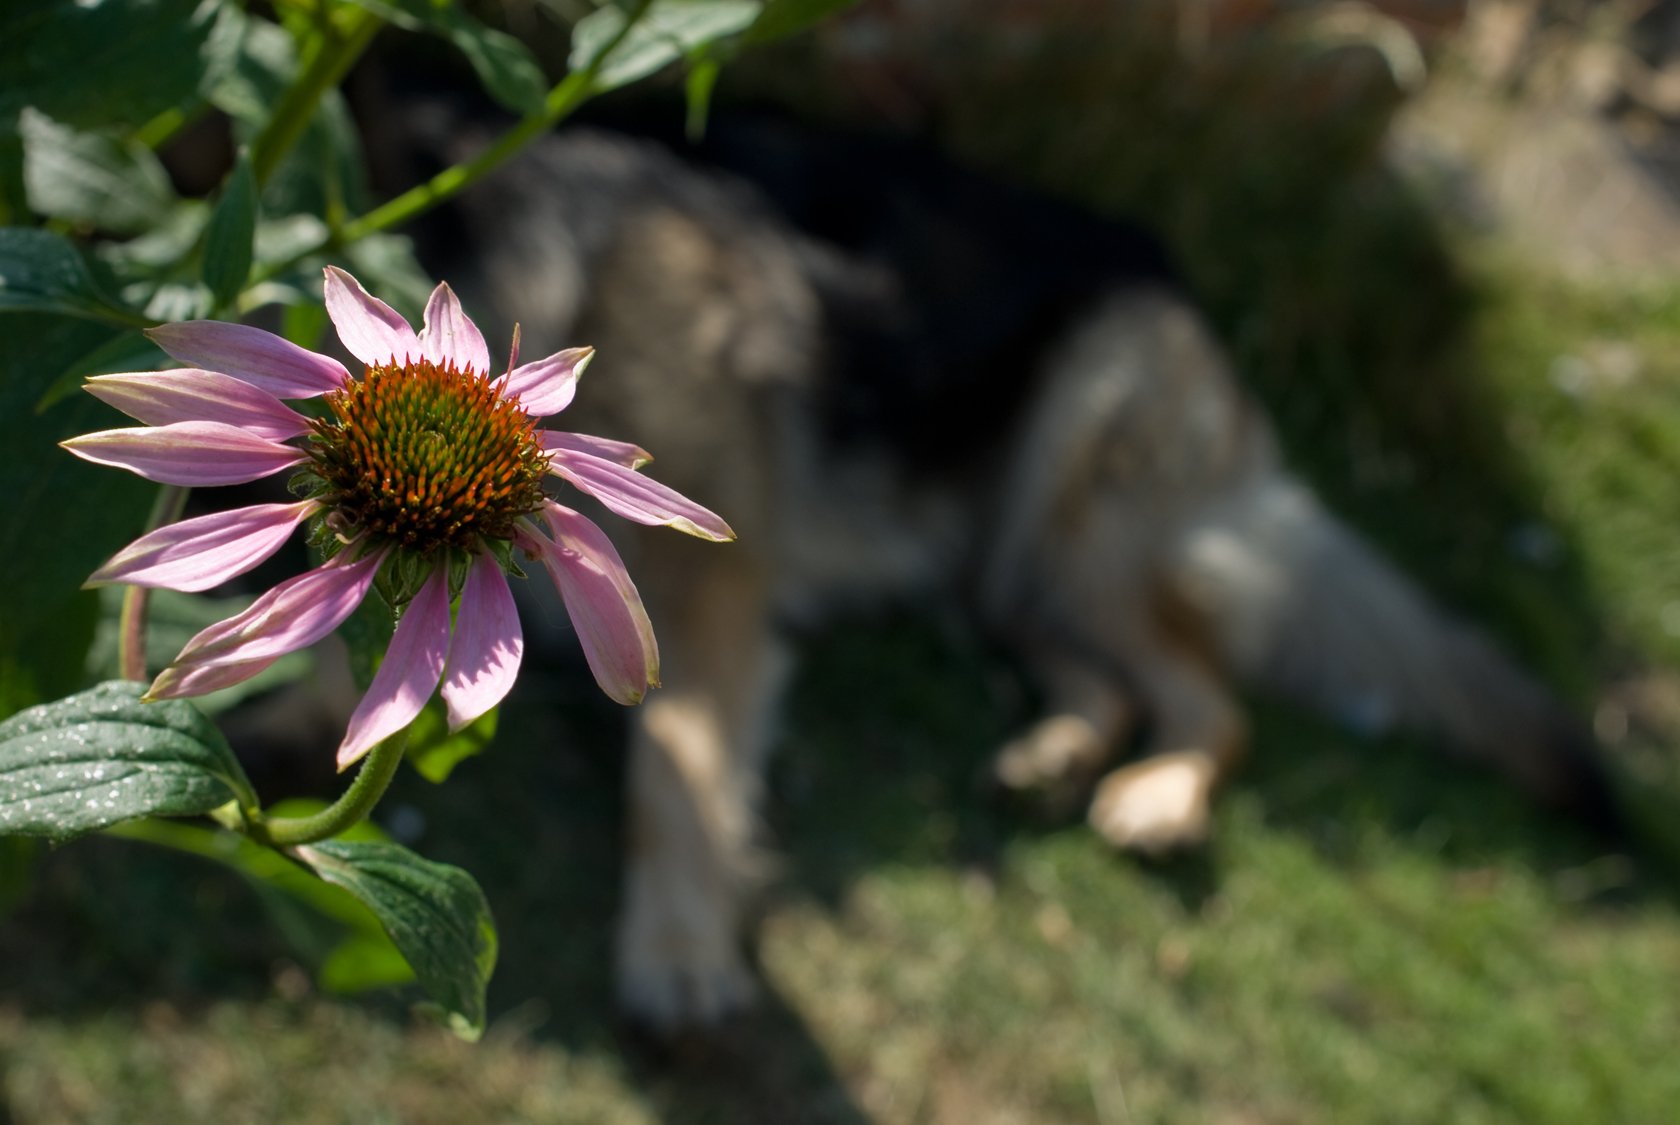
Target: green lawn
<point>1373,937</point>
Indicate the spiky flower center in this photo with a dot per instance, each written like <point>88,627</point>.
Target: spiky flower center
<point>422,455</point>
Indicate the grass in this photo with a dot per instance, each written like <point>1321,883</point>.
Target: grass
<point>1374,936</point>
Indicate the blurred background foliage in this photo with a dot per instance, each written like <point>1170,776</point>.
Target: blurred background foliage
<point>1442,240</point>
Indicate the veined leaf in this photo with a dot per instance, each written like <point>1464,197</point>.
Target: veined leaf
<point>508,72</point>
<point>667,31</point>
<point>325,169</point>
<point>435,752</point>
<point>130,351</point>
<point>91,179</point>
<point>782,18</point>
<point>41,272</point>
<point>228,239</point>
<point>63,516</point>
<point>436,915</point>
<point>96,63</point>
<point>102,756</point>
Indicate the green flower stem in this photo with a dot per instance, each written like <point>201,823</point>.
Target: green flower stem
<point>336,51</point>
<point>561,101</point>
<point>378,768</point>
<point>571,92</point>
<point>156,132</point>
<point>131,621</point>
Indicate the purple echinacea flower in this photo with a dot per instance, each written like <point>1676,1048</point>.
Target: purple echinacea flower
<point>425,468</point>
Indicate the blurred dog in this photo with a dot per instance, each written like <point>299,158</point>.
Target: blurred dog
<point>894,377</point>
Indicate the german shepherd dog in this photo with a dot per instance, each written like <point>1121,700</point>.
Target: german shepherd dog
<point>894,377</point>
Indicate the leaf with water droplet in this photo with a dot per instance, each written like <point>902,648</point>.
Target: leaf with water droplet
<point>434,913</point>
<point>101,757</point>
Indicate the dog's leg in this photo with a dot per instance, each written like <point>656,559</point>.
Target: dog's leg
<point>1199,734</point>
<point>1055,761</point>
<point>693,776</point>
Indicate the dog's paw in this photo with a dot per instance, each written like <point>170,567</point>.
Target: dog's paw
<point>1053,764</point>
<point>667,993</point>
<point>679,959</point>
<point>1156,805</point>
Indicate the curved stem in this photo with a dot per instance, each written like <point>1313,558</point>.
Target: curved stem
<point>337,50</point>
<point>571,92</point>
<point>559,104</point>
<point>378,768</point>
<point>131,621</point>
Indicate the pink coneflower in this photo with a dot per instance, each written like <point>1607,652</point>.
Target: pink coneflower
<point>423,474</point>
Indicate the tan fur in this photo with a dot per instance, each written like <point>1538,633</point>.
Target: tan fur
<point>1138,537</point>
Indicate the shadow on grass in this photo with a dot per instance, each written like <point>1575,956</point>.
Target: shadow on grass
<point>893,783</point>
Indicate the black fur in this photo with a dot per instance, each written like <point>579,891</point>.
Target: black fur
<point>976,278</point>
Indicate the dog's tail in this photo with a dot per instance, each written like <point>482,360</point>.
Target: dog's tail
<point>1299,603</point>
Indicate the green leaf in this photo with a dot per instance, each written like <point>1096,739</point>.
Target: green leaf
<point>782,18</point>
<point>45,661</point>
<point>363,956</point>
<point>436,915</point>
<point>435,752</point>
<point>508,71</point>
<point>266,62</point>
<point>63,516</point>
<point>279,240</point>
<point>325,171</point>
<point>130,351</point>
<point>361,962</point>
<point>98,63</point>
<point>140,263</point>
<point>304,325</point>
<point>229,238</point>
<point>102,756</point>
<point>179,300</point>
<point>667,31</point>
<point>41,272</point>
<point>91,179</point>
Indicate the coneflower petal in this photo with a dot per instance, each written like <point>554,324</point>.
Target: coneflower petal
<point>370,330</point>
<point>259,358</point>
<point>612,624</point>
<point>293,615</point>
<point>450,336</point>
<point>618,452</point>
<point>199,553</point>
<point>405,680</point>
<point>546,386</point>
<point>635,497</point>
<point>189,453</point>
<point>159,398</point>
<point>485,650</point>
<point>203,681</point>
